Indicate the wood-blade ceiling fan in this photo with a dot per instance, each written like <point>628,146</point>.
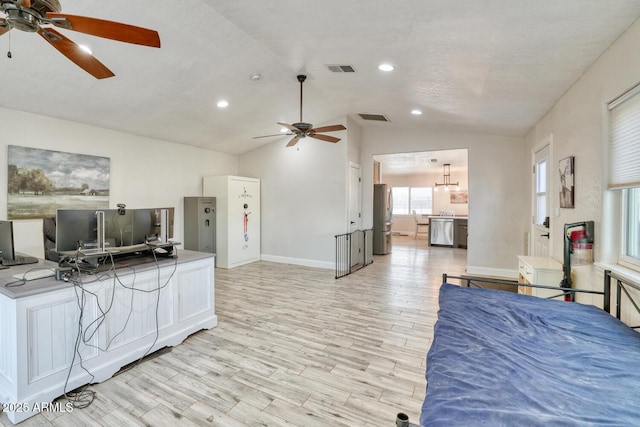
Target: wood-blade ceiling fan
<point>39,16</point>
<point>302,130</point>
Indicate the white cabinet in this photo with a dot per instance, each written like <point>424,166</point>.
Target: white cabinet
<point>238,218</point>
<point>46,350</point>
<point>539,271</point>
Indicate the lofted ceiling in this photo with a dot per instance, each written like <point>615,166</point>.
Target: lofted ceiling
<point>487,66</point>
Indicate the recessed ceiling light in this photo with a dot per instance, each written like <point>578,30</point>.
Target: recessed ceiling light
<point>223,104</point>
<point>386,67</point>
<point>416,112</point>
<point>284,130</point>
<point>85,48</point>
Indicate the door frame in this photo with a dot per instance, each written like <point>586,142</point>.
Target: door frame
<point>547,141</point>
<point>355,200</point>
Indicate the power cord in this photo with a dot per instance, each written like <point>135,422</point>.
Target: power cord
<point>83,397</point>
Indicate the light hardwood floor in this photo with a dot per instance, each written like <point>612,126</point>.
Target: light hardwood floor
<point>294,347</point>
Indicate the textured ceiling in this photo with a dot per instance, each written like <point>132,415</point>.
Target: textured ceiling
<point>423,162</point>
<point>489,66</point>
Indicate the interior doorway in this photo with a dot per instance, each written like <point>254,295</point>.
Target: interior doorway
<point>419,183</point>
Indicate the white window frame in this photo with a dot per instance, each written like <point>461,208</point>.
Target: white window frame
<point>623,173</point>
<point>410,208</point>
<point>624,259</point>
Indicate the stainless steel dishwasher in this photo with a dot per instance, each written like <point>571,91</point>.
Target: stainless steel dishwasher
<point>441,231</point>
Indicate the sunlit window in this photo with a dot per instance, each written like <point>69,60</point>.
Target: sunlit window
<point>631,226</point>
<point>408,199</point>
<point>541,191</point>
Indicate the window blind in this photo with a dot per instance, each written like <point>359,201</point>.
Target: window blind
<point>624,141</point>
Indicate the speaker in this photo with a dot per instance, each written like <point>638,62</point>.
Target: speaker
<point>200,224</point>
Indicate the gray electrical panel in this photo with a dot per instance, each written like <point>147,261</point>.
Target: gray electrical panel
<point>200,224</point>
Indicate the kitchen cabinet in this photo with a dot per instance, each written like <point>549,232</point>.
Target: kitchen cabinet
<point>460,233</point>
<point>539,271</point>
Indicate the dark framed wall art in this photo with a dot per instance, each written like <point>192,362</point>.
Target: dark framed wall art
<point>566,167</point>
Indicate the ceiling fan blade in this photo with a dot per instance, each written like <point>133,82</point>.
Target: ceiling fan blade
<point>72,51</point>
<point>294,141</point>
<point>277,134</point>
<point>3,29</point>
<point>26,3</point>
<point>324,137</point>
<point>290,127</point>
<point>329,128</point>
<point>106,29</point>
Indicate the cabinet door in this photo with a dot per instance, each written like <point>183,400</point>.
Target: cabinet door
<point>137,309</point>
<point>52,330</point>
<point>243,221</point>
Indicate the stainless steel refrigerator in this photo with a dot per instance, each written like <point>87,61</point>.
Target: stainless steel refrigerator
<point>382,212</point>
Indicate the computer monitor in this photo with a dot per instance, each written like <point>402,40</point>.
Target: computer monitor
<point>75,229</point>
<point>78,229</point>
<point>6,240</point>
<point>142,225</point>
<point>148,224</point>
<point>119,227</point>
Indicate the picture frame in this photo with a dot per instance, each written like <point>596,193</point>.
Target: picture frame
<point>41,181</point>
<point>566,168</point>
<point>459,197</point>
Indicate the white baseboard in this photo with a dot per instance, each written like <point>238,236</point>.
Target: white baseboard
<point>492,272</point>
<point>299,261</point>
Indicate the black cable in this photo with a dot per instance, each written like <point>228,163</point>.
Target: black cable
<point>83,397</point>
<point>21,282</point>
<point>157,308</point>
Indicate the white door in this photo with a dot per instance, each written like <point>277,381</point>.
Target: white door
<point>540,228</point>
<point>355,220</point>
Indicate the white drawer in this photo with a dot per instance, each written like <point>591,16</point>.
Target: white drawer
<point>527,272</point>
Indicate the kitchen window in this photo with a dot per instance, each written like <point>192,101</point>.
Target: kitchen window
<point>408,199</point>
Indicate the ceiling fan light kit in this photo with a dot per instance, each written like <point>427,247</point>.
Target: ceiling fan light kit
<point>39,16</point>
<point>302,130</point>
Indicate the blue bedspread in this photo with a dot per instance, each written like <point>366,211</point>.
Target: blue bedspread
<point>503,359</point>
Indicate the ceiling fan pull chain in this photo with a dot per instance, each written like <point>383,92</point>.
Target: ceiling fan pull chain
<point>9,51</point>
<point>301,81</point>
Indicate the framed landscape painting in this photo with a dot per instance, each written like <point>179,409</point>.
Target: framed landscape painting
<point>41,181</point>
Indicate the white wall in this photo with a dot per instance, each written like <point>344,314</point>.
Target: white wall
<point>497,221</point>
<point>578,123</point>
<point>145,172</point>
<point>304,192</point>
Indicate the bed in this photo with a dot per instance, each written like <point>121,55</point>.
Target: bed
<point>504,359</point>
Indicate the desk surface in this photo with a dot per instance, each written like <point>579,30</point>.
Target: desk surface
<point>48,284</point>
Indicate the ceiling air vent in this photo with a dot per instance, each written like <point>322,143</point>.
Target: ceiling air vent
<point>341,68</point>
<point>374,117</point>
